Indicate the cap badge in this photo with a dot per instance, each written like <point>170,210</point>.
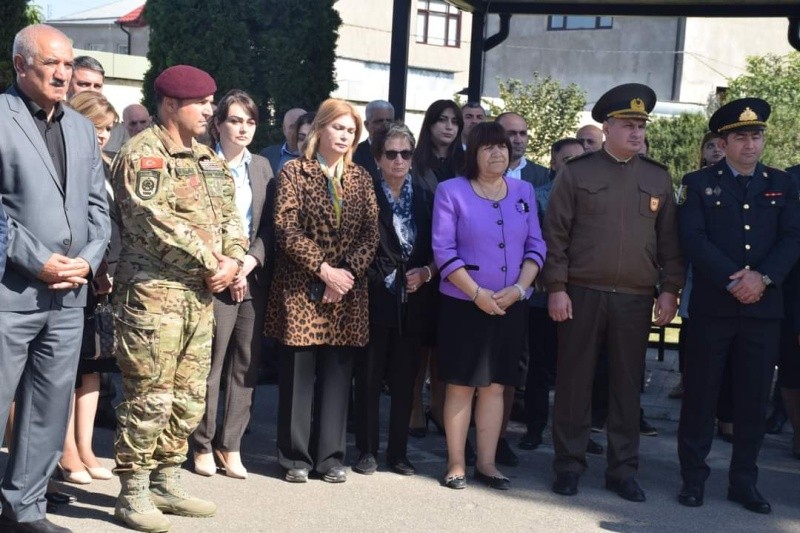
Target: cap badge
<point>637,104</point>
<point>748,115</point>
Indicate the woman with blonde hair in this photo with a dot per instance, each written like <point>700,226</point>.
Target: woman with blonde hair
<point>79,464</point>
<point>326,229</point>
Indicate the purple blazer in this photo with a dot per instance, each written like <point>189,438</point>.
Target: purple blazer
<point>489,239</point>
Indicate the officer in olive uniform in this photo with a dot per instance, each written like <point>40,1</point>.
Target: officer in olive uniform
<point>740,230</point>
<point>612,237</point>
<point>182,239</point>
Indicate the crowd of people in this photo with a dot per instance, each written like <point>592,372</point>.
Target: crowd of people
<point>447,257</point>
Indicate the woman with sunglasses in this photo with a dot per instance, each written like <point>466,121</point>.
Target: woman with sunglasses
<point>399,279</point>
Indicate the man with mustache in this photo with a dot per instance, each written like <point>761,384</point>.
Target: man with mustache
<point>182,240</point>
<point>53,191</point>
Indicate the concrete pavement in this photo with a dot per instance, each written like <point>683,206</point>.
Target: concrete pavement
<point>392,503</point>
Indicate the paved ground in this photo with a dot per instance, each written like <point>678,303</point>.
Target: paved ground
<point>392,503</point>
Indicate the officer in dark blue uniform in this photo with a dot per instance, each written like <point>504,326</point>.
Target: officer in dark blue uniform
<point>739,224</point>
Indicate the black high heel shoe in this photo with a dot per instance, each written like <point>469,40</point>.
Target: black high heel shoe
<point>429,419</point>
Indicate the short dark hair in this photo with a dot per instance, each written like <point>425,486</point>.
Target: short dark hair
<point>89,63</point>
<point>483,134</point>
<point>395,130</point>
<point>561,143</point>
<point>473,105</point>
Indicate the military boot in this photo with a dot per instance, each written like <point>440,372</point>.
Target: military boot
<point>170,497</point>
<point>134,506</point>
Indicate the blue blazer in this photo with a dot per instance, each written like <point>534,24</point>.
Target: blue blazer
<point>45,217</point>
<point>724,229</point>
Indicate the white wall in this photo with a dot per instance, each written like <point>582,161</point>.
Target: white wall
<point>717,49</point>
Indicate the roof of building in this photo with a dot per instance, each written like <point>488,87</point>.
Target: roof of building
<point>134,19</point>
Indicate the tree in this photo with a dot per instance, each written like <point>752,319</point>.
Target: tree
<point>551,110</point>
<point>14,15</point>
<point>776,79</point>
<point>675,141</point>
<point>214,38</point>
<point>281,52</point>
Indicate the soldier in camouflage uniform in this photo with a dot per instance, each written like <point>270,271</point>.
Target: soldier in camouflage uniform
<point>182,239</point>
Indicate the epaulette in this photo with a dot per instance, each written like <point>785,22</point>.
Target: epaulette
<point>657,163</point>
<point>578,157</point>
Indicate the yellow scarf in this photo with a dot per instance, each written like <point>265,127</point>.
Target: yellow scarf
<point>334,185</point>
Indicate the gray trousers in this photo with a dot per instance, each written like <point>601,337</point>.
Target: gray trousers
<point>237,351</point>
<point>39,353</point>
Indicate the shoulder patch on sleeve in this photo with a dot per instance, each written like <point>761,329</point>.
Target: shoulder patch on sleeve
<point>147,184</point>
<point>657,163</point>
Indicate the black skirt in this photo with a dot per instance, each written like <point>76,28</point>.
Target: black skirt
<point>476,349</point>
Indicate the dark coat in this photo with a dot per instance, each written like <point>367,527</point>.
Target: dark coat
<point>724,229</point>
<point>385,308</point>
<point>363,156</point>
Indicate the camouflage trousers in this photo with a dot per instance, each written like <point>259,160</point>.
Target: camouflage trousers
<point>164,353</point>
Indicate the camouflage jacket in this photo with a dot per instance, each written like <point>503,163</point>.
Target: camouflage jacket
<point>176,207</point>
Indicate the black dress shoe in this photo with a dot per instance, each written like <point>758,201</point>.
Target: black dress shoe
<point>60,498</point>
<point>594,448</point>
<point>493,482</point>
<point>366,464</point>
<point>504,455</point>
<point>566,483</point>
<point>37,526</point>
<point>646,429</point>
<point>455,482</point>
<point>627,489</point>
<point>776,421</point>
<point>691,495</point>
<point>470,457</point>
<point>750,499</point>
<point>296,475</point>
<point>401,465</point>
<point>530,441</point>
<point>336,474</point>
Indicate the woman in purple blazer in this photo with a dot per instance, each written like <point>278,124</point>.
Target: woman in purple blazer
<point>488,245</point>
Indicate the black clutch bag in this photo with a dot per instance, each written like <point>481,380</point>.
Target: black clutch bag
<point>315,291</point>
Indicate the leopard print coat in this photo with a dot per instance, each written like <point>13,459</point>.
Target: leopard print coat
<point>306,237</point>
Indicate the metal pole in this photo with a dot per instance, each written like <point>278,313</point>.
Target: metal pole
<point>476,57</point>
<point>398,68</point>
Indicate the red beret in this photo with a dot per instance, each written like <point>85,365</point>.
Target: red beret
<point>185,81</point>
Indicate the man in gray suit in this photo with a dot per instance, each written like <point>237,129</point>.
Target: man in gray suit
<point>53,191</point>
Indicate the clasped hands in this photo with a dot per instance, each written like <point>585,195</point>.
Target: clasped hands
<point>338,282</point>
<point>227,270</point>
<point>62,272</point>
<point>496,303</point>
<point>750,287</point>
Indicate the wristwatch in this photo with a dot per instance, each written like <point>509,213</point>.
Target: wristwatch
<point>766,280</point>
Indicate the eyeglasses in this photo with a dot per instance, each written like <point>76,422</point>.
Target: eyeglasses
<point>391,155</point>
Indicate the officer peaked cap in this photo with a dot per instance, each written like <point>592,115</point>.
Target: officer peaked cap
<point>741,114</point>
<point>630,100</point>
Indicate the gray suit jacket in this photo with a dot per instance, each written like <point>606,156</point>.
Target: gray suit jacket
<point>273,154</point>
<point>261,226</point>
<point>535,174</point>
<point>43,217</point>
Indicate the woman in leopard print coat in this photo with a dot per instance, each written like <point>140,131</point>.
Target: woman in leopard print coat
<point>326,225</point>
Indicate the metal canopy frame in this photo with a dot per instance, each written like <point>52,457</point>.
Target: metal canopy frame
<point>401,24</point>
